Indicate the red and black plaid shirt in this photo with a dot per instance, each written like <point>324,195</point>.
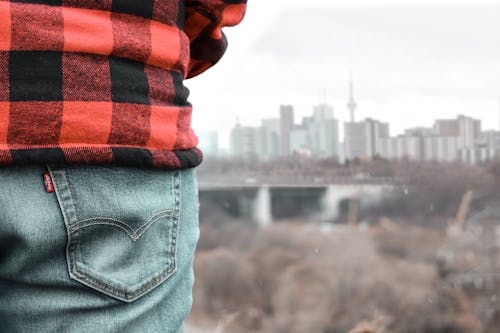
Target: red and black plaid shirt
<point>101,81</point>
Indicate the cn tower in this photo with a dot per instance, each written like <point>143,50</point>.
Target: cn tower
<point>351,106</point>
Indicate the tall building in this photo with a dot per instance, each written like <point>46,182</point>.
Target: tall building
<point>408,145</point>
<point>318,135</point>
<point>356,140</point>
<point>478,154</point>
<point>491,139</point>
<point>323,131</point>
<point>271,128</point>
<point>487,149</point>
<point>286,125</point>
<point>267,143</point>
<point>272,124</point>
<point>402,146</point>
<point>469,131</point>
<point>441,148</point>
<point>363,139</point>
<point>466,129</point>
<point>446,127</point>
<point>243,141</point>
<point>299,143</point>
<point>423,144</point>
<point>351,105</point>
<point>330,146</point>
<point>254,142</point>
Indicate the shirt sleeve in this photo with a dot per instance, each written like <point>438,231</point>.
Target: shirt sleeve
<point>204,20</point>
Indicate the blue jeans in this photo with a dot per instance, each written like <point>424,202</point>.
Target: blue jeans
<point>111,250</point>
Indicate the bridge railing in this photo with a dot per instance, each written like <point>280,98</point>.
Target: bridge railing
<point>273,180</point>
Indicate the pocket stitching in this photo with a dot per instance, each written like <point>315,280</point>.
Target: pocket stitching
<point>123,295</point>
<point>93,282</point>
<point>134,234</point>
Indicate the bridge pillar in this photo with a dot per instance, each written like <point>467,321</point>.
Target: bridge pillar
<point>329,204</point>
<point>332,198</point>
<point>261,212</point>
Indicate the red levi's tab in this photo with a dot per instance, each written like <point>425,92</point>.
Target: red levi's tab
<point>47,180</point>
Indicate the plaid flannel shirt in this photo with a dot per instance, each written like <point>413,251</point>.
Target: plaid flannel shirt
<point>101,81</point>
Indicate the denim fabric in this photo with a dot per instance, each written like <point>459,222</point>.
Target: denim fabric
<point>111,250</point>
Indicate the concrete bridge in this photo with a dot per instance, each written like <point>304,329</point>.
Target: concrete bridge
<point>265,203</point>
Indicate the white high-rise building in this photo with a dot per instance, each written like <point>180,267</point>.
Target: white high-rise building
<point>476,155</point>
<point>254,142</point>
<point>355,140</point>
<point>244,141</point>
<point>271,129</point>
<point>286,125</point>
<point>401,146</point>
<point>491,139</point>
<point>363,139</point>
<point>449,140</point>
<point>466,129</point>
<point>299,143</point>
<point>273,125</point>
<point>441,148</point>
<point>323,131</point>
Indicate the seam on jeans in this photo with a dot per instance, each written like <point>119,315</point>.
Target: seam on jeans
<point>134,234</point>
<point>69,242</point>
<point>121,294</point>
<point>75,255</point>
<point>70,189</point>
<point>177,185</point>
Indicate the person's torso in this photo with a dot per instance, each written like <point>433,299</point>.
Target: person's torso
<point>95,81</point>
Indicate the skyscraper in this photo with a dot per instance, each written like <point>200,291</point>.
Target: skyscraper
<point>271,128</point>
<point>351,105</point>
<point>324,131</point>
<point>244,141</point>
<point>286,126</point>
<point>466,129</point>
<point>363,139</point>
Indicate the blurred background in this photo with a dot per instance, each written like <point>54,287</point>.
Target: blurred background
<point>352,170</point>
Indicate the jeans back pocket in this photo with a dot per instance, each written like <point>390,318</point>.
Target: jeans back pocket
<point>122,226</point>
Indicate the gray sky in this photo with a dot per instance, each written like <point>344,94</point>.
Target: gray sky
<point>412,61</point>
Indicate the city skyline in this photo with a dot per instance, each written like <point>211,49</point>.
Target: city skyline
<point>405,72</point>
<point>460,137</point>
<point>223,141</point>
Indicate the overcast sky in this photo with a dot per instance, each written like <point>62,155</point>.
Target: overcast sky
<point>412,62</point>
